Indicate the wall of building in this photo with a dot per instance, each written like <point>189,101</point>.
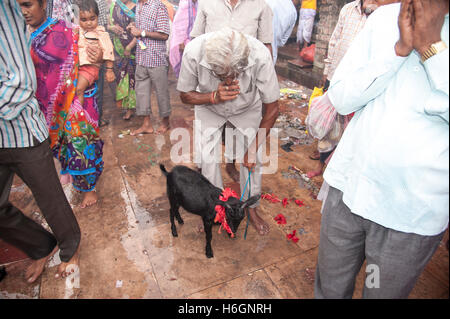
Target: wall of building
<point>328,14</point>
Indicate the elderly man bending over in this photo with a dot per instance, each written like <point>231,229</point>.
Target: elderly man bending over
<point>229,76</point>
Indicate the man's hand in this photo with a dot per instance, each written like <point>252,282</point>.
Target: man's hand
<point>429,18</point>
<point>110,76</point>
<point>227,91</point>
<point>117,29</point>
<point>404,45</point>
<point>94,53</point>
<point>250,160</point>
<point>134,31</point>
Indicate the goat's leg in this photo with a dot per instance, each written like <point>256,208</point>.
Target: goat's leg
<point>207,225</point>
<point>178,217</point>
<point>173,212</point>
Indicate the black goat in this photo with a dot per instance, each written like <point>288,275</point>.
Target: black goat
<point>192,191</point>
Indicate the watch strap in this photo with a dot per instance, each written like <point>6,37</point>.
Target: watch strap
<point>434,49</point>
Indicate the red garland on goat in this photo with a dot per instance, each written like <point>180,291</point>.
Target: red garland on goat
<point>220,211</point>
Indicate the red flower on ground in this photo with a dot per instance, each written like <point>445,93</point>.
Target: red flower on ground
<point>271,197</point>
<point>292,236</point>
<point>299,202</point>
<point>280,219</point>
<point>285,202</point>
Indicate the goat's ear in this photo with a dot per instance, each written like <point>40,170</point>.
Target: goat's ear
<point>249,202</point>
<point>222,203</point>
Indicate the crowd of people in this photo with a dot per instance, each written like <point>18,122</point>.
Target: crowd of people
<point>386,74</point>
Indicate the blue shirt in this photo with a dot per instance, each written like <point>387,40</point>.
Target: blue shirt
<point>22,124</point>
<point>392,163</point>
<point>284,18</point>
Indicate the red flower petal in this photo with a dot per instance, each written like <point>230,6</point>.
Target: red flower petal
<point>280,219</point>
<point>299,202</point>
<point>292,236</point>
<point>285,202</point>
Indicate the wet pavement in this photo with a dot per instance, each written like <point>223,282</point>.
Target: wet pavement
<point>127,250</point>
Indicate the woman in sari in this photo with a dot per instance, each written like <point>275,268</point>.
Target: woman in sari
<point>73,127</point>
<point>122,13</point>
<point>181,28</point>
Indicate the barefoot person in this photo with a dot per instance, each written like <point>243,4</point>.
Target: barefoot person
<point>253,18</point>
<point>152,30</point>
<point>230,77</point>
<point>25,151</point>
<point>74,133</point>
<point>352,18</point>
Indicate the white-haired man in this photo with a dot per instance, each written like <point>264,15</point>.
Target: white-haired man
<point>251,17</point>
<point>230,76</point>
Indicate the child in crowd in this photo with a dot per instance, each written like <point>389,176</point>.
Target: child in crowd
<point>90,31</point>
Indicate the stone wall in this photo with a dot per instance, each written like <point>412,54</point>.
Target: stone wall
<point>327,17</point>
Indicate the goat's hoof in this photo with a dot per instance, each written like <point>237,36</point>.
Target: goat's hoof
<point>174,233</point>
<point>209,255</point>
<point>180,221</point>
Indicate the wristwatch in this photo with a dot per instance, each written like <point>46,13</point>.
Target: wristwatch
<point>434,49</point>
<point>143,33</point>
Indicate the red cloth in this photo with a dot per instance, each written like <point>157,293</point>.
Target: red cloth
<point>220,210</point>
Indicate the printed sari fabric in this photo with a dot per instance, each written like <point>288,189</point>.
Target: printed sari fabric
<point>124,67</point>
<point>181,28</point>
<point>73,127</point>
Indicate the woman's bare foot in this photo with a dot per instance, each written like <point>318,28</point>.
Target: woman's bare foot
<point>128,114</point>
<point>90,198</point>
<point>143,130</point>
<point>66,268</point>
<point>258,223</point>
<point>37,267</point>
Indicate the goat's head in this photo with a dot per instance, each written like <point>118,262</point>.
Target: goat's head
<point>235,210</point>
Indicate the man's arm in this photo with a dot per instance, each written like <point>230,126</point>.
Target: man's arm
<point>267,122</point>
<point>162,27</point>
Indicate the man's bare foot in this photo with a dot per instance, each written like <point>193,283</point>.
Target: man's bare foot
<point>37,267</point>
<point>66,268</point>
<point>317,171</point>
<point>164,127</point>
<point>143,130</point>
<point>315,155</point>
<point>232,172</point>
<point>258,223</point>
<point>90,198</point>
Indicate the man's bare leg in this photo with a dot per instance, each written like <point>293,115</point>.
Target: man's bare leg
<point>146,127</point>
<point>258,223</point>
<point>37,267</point>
